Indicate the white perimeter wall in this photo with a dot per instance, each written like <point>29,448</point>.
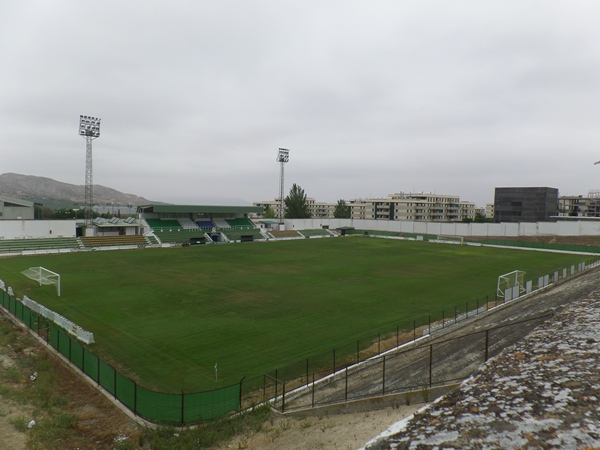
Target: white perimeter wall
<point>566,228</point>
<point>16,229</point>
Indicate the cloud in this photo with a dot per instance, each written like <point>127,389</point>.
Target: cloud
<point>371,99</point>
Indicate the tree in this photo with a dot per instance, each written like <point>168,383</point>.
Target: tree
<point>296,204</point>
<point>269,213</point>
<point>342,211</point>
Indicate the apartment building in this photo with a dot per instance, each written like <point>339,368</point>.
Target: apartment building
<point>317,210</point>
<point>401,206</point>
<point>413,206</point>
<point>580,206</point>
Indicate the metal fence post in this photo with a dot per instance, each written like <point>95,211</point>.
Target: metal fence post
<point>414,330</point>
<point>307,371</point>
<point>346,389</point>
<point>379,344</point>
<point>443,319</point>
<point>429,321</point>
<point>430,364</point>
<point>283,399</point>
<point>134,398</point>
<point>241,390</point>
<point>357,351</point>
<point>383,378</point>
<point>182,407</point>
<point>313,391</point>
<point>333,360</point>
<point>487,332</point>
<point>276,386</point>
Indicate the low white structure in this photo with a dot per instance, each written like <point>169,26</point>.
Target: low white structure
<point>17,229</point>
<point>487,229</point>
<point>12,208</point>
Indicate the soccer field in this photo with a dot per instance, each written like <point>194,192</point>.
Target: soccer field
<point>165,317</point>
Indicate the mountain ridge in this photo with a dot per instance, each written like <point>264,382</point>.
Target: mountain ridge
<point>55,194</point>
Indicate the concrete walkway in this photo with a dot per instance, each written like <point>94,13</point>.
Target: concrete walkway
<point>543,393</point>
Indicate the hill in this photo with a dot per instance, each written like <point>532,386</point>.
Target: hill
<point>56,194</point>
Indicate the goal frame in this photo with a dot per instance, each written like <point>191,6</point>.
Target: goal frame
<point>43,276</point>
<point>448,239</point>
<point>510,280</point>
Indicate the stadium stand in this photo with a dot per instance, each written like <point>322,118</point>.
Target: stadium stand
<point>188,224</point>
<point>240,222</point>
<point>221,223</point>
<point>205,224</point>
<point>114,241</point>
<point>153,240</point>
<point>316,232</point>
<point>277,234</point>
<point>179,236</point>
<point>20,245</point>
<point>162,225</point>
<point>243,235</point>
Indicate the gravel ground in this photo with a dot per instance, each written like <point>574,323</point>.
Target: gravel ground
<point>541,393</point>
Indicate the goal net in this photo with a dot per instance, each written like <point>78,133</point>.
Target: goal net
<point>509,281</point>
<point>451,239</point>
<point>43,276</point>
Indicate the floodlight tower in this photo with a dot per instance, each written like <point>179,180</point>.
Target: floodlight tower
<point>282,157</point>
<point>89,128</point>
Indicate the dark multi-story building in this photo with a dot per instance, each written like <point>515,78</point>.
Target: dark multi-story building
<point>525,204</point>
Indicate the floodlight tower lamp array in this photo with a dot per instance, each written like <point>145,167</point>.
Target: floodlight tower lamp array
<point>89,128</point>
<point>283,156</point>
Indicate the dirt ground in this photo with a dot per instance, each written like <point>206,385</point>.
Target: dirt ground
<point>348,431</point>
<point>98,423</point>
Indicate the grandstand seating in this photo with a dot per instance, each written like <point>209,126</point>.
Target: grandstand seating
<point>114,241</point>
<point>221,223</point>
<point>178,236</point>
<point>152,239</point>
<point>159,224</point>
<point>285,234</point>
<point>205,224</point>
<point>188,224</point>
<point>237,234</point>
<point>19,245</point>
<point>240,222</point>
<point>316,232</point>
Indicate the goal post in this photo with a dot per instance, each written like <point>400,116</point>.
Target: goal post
<point>451,239</point>
<point>510,280</point>
<point>43,276</point>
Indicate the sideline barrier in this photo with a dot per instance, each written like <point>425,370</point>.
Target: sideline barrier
<point>181,408</point>
<point>270,387</point>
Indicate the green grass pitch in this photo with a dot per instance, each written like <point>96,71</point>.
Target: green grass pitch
<point>165,316</point>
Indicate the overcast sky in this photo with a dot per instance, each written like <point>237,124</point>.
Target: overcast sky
<point>371,97</point>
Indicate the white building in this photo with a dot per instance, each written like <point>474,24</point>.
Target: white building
<point>316,209</point>
<point>15,209</point>
<point>413,206</point>
<point>402,206</point>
